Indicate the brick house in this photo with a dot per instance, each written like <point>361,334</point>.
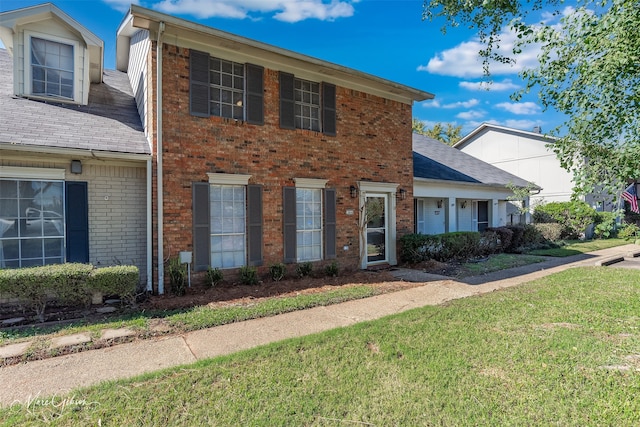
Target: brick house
<point>262,155</point>
<point>73,154</point>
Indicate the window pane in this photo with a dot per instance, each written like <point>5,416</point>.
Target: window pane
<point>51,68</point>
<point>228,216</point>
<point>8,209</point>
<point>53,248</point>
<point>10,248</point>
<point>31,248</point>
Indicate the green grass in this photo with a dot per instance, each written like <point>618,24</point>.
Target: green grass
<point>198,317</point>
<point>496,263</point>
<point>576,247</point>
<point>564,350</point>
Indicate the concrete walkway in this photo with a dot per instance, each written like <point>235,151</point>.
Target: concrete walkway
<point>59,375</point>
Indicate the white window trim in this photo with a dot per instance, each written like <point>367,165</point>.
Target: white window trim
<point>28,82</point>
<point>310,183</point>
<point>32,174</point>
<point>228,179</point>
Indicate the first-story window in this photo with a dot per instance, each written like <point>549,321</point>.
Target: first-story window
<point>32,223</point>
<point>309,224</point>
<point>228,226</point>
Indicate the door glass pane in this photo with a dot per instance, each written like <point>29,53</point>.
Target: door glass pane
<point>375,209</point>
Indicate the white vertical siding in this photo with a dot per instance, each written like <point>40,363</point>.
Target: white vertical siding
<point>137,71</point>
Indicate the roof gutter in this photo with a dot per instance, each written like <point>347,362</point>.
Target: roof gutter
<point>75,152</point>
<point>159,154</point>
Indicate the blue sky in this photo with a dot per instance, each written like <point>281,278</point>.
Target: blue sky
<point>386,38</point>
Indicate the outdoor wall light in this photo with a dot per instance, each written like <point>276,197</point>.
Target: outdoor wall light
<point>463,205</point>
<point>76,166</point>
<point>402,194</point>
<point>439,203</point>
<point>353,191</point>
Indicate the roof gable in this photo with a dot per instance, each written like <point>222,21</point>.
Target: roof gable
<point>436,160</point>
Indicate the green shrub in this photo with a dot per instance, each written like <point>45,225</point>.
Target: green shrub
<point>248,275</point>
<point>575,216</point>
<point>331,270</point>
<point>121,280</point>
<point>277,271</point>
<point>177,276</point>
<point>413,248</point>
<point>551,231</point>
<point>605,225</point>
<point>304,269</point>
<point>532,237</point>
<point>628,231</point>
<point>505,234</point>
<point>35,286</point>
<point>214,276</point>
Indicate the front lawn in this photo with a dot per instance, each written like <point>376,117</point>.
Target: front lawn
<point>576,247</point>
<point>564,350</point>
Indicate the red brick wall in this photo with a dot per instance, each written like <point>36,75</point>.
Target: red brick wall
<point>373,143</point>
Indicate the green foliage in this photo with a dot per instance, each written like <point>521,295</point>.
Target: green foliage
<point>70,283</point>
<point>605,225</point>
<point>304,269</point>
<point>628,231</point>
<point>551,231</point>
<point>415,248</point>
<point>277,271</point>
<point>587,70</point>
<point>332,269</point>
<point>177,276</point>
<point>574,216</point>
<point>214,277</point>
<point>448,134</point>
<point>121,280</point>
<point>248,275</point>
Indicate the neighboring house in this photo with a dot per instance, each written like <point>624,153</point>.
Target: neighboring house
<point>73,155</point>
<point>264,155</point>
<point>527,155</point>
<point>454,191</point>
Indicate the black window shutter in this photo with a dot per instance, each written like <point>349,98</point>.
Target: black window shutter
<point>255,94</point>
<point>77,221</point>
<point>287,101</point>
<point>254,224</point>
<point>328,109</point>
<point>199,83</point>
<point>330,223</point>
<point>201,221</point>
<point>289,224</point>
<point>415,215</point>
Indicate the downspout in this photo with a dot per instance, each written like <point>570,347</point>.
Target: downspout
<point>149,226</point>
<point>159,153</point>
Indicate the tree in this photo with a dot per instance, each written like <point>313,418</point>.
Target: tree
<point>589,69</point>
<point>448,134</point>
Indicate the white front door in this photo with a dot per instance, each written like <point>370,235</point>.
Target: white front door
<point>377,236</point>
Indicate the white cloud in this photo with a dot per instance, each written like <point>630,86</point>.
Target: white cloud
<point>460,104</point>
<point>465,61</point>
<point>521,124</point>
<point>282,10</point>
<point>471,115</point>
<point>519,107</point>
<point>121,5</point>
<point>506,84</point>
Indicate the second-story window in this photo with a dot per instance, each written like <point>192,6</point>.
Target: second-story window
<point>51,68</point>
<point>227,89</point>
<point>307,96</point>
<point>307,105</point>
<point>218,87</point>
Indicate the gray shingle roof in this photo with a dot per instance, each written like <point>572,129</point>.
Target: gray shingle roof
<point>109,123</point>
<point>434,160</point>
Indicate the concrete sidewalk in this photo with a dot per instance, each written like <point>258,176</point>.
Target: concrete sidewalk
<point>59,375</point>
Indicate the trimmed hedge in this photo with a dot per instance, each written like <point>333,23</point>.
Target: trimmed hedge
<point>415,248</point>
<point>70,283</point>
<point>121,280</point>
